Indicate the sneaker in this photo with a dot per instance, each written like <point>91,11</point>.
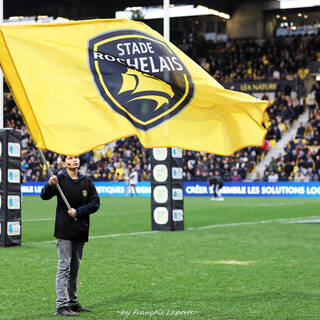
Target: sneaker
<point>79,308</point>
<point>220,199</point>
<point>213,198</point>
<point>66,312</point>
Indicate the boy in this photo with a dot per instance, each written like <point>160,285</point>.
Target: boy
<point>133,181</point>
<point>217,183</point>
<point>71,230</point>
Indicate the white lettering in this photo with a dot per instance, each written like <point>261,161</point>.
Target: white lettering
<point>97,55</point>
<point>175,61</point>
<point>135,48</point>
<point>131,48</point>
<point>127,45</point>
<point>122,61</point>
<point>150,47</point>
<point>253,190</point>
<point>197,189</point>
<point>149,64</point>
<point>109,58</point>
<point>144,189</point>
<point>27,189</point>
<point>143,64</point>
<point>313,190</point>
<point>153,68</point>
<point>171,65</point>
<point>135,64</point>
<point>38,189</point>
<point>283,190</point>
<point>234,189</point>
<point>163,64</point>
<point>110,190</point>
<point>119,47</point>
<point>143,47</point>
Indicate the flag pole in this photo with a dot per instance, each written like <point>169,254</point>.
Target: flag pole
<point>166,19</point>
<point>51,175</point>
<point>166,27</point>
<point>1,77</point>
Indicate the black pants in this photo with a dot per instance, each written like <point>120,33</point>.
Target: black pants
<point>216,188</point>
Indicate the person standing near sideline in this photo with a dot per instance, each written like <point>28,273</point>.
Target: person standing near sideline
<point>217,183</point>
<point>133,181</point>
<point>71,230</point>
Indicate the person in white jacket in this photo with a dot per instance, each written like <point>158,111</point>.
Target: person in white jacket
<point>133,180</point>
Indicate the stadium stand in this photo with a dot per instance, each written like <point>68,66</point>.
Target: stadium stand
<point>238,60</point>
<point>301,158</point>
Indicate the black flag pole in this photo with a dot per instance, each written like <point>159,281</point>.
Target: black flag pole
<point>51,175</point>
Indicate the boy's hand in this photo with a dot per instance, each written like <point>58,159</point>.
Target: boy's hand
<point>72,213</point>
<point>53,181</point>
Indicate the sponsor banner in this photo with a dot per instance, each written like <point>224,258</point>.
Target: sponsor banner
<point>160,154</point>
<point>160,194</point>
<point>13,228</point>
<point>177,215</point>
<point>161,215</point>
<point>14,149</point>
<point>32,188</point>
<point>259,85</point>
<point>177,194</point>
<point>256,189</point>
<point>177,173</point>
<point>160,173</point>
<point>176,153</point>
<point>13,176</point>
<point>201,189</point>
<point>113,189</point>
<point>13,202</point>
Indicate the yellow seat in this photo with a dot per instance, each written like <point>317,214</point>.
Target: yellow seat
<point>283,127</point>
<point>267,124</point>
<point>272,142</point>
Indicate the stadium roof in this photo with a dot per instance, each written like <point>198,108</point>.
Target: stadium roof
<point>81,9</point>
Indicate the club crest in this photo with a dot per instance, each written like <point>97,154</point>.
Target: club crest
<point>84,193</point>
<point>139,77</point>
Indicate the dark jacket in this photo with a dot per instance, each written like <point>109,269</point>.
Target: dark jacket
<point>82,196</point>
<point>216,181</point>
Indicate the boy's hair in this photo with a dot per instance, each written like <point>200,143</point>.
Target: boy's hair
<point>63,157</point>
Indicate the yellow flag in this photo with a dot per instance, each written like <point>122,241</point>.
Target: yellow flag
<point>82,84</point>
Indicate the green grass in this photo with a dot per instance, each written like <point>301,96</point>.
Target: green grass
<point>165,275</point>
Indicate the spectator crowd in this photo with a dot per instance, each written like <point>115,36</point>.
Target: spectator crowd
<point>301,158</point>
<point>239,60</point>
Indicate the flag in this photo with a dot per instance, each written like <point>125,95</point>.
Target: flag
<point>82,84</point>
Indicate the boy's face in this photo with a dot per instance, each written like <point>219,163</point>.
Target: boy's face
<point>72,162</point>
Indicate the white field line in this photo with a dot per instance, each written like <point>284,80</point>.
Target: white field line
<point>115,235</point>
<point>289,220</point>
<point>304,221</point>
<point>262,204</point>
<point>37,220</point>
<point>232,205</point>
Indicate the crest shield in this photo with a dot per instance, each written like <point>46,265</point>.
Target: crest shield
<point>139,76</point>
